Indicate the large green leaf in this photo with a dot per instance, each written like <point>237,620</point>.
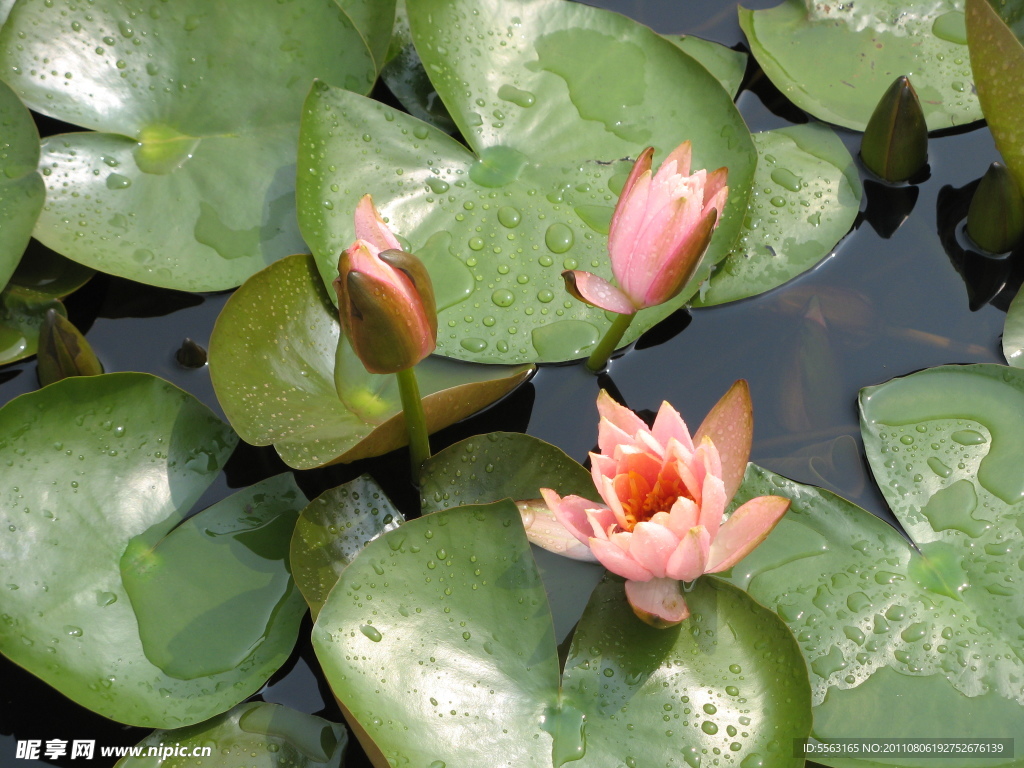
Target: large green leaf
<point>332,530</point>
<point>935,624</point>
<point>807,193</point>
<point>1013,332</point>
<point>551,129</point>
<point>726,65</point>
<point>994,35</point>
<point>461,668</point>
<point>21,187</point>
<point>729,681</point>
<point>867,44</point>
<point>190,183</point>
<point>282,378</point>
<point>255,734</point>
<point>103,601</point>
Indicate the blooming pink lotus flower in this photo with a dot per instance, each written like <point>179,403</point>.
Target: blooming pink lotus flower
<point>660,230</point>
<point>385,297</point>
<point>665,498</point>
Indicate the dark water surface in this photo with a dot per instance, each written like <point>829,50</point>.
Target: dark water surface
<point>892,300</point>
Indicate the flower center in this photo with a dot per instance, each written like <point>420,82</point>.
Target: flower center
<point>641,501</point>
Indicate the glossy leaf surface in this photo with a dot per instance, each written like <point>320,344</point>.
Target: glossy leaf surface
<point>21,187</point>
<point>282,380</point>
<point>1013,333</point>
<point>726,65</point>
<point>22,313</point>
<point>100,464</point>
<point>933,624</point>
<point>552,130</point>
<point>807,193</point>
<point>258,734</point>
<point>332,530</point>
<point>994,35</point>
<point>499,465</point>
<point>462,669</point>
<point>189,183</point>
<point>867,45</point>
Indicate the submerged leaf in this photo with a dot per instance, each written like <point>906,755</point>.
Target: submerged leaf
<point>1013,333</point>
<point>63,350</point>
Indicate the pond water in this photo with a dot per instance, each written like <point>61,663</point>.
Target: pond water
<point>892,300</point>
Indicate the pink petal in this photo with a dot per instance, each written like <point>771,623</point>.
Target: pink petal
<point>657,602</point>
<point>572,513</point>
<point>618,416</point>
<point>682,156</point>
<point>612,557</point>
<point>641,165</point>
<point>683,516</point>
<point>730,425</point>
<point>597,292</point>
<point>651,546</point>
<point>690,558</point>
<point>669,425</point>
<point>745,529</point>
<point>681,256</point>
<point>712,504</point>
<point>544,530</point>
<point>715,191</point>
<point>602,466</point>
<point>607,490</point>
<point>626,225</point>
<point>371,227</point>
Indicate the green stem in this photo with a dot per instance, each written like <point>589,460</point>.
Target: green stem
<point>603,351</point>
<point>415,420</point>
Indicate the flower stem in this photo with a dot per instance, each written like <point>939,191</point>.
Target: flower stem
<point>415,420</point>
<point>603,351</point>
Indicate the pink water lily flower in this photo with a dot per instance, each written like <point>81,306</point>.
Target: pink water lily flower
<point>385,297</point>
<point>659,232</point>
<point>664,495</point>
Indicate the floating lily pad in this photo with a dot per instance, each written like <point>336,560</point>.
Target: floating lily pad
<point>997,55</point>
<point>552,130</point>
<point>807,193</point>
<point>726,65</point>
<point>22,313</point>
<point>21,187</point>
<point>1013,333</point>
<point>103,601</point>
<point>258,734</point>
<point>461,669</point>
<point>47,273</point>
<point>282,379</point>
<point>190,183</point>
<point>332,530</point>
<point>866,44</point>
<point>933,625</point>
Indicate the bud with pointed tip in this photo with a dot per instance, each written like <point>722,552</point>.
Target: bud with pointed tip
<point>386,306</point>
<point>63,351</point>
<point>995,220</point>
<point>895,142</point>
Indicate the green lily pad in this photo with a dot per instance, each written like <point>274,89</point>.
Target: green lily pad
<point>258,734</point>
<point>332,530</point>
<point>807,193</point>
<point>867,45</point>
<point>726,65</point>
<point>282,378</point>
<point>21,187</point>
<point>102,603</point>
<point>499,465</point>
<point>47,273</point>
<point>22,313</point>
<point>997,55</point>
<point>190,184</point>
<point>1013,332</point>
<point>933,625</point>
<point>551,141</point>
<point>462,668</point>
